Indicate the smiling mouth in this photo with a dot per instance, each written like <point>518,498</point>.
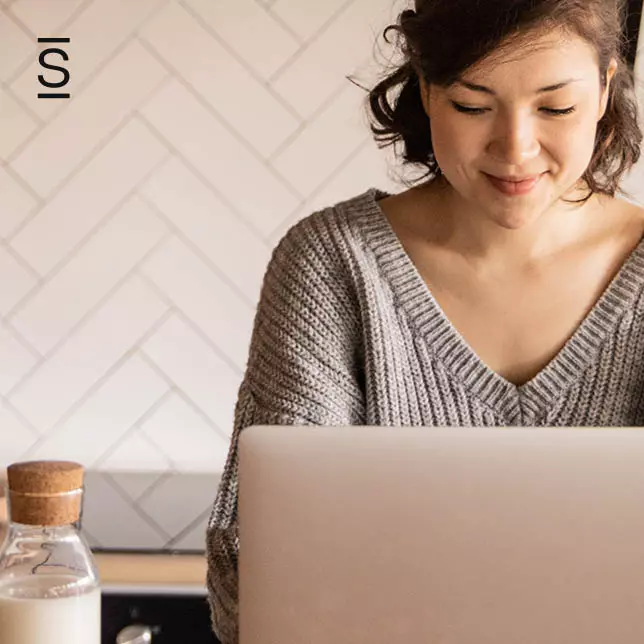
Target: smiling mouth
<point>516,179</point>
<point>514,186</point>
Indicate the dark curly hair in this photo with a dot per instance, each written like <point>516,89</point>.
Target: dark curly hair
<point>441,39</point>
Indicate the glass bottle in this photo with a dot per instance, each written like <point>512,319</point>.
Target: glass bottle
<point>49,584</point>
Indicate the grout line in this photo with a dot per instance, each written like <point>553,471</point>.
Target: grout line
<point>79,169</point>
<point>162,478</point>
<point>326,104</point>
<point>101,380</point>
<point>142,514</point>
<point>204,416</point>
<point>127,434</point>
<point>20,339</point>
<point>189,528</point>
<point>289,220</point>
<point>143,435</point>
<point>263,162</point>
<point>97,68</point>
<point>86,317</point>
<point>245,143</point>
<point>16,412</point>
<point>78,91</point>
<point>268,8</point>
<point>81,8</point>
<point>181,393</point>
<point>204,257</point>
<point>263,82</point>
<point>21,261</point>
<point>11,16</point>
<point>39,202</point>
<point>88,535</point>
<point>232,208</point>
<point>195,328</point>
<point>76,249</point>
<point>312,39</point>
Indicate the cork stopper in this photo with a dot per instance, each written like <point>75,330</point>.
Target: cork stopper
<point>47,493</point>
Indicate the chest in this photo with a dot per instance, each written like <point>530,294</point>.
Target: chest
<point>516,324</point>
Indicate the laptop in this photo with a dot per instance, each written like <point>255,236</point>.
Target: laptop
<point>374,535</point>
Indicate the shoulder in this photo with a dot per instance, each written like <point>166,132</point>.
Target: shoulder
<point>339,216</point>
<point>634,212</point>
<point>328,232</point>
<point>629,209</point>
<point>309,281</point>
<point>615,234</point>
<point>623,221</point>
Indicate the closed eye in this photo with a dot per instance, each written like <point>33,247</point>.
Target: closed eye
<point>563,112</point>
<point>480,110</point>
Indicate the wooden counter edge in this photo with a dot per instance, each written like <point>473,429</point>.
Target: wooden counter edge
<point>162,569</point>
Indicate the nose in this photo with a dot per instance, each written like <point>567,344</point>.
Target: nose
<point>514,140</point>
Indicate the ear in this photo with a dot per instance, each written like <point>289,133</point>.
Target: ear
<point>603,105</point>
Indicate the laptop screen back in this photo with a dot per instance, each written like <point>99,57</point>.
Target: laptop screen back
<point>352,535</point>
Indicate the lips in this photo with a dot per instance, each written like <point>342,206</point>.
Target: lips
<point>516,179</point>
<point>514,186</point>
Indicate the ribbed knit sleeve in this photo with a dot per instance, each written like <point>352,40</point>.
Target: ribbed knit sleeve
<point>303,368</point>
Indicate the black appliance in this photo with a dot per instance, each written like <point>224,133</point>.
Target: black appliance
<point>172,618</point>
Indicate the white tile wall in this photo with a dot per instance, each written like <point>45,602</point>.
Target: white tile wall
<point>192,363</point>
<point>202,220</point>
<point>235,26</point>
<point>86,279</point>
<point>16,282</point>
<point>88,198</point>
<point>16,360</point>
<point>16,202</point>
<point>147,511</point>
<point>209,69</point>
<point>137,218</point>
<point>17,433</point>
<point>89,354</point>
<point>98,424</point>
<point>45,17</point>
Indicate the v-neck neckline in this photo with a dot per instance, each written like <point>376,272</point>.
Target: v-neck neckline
<point>514,402</point>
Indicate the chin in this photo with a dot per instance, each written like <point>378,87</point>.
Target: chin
<point>515,218</point>
<point>515,225</point>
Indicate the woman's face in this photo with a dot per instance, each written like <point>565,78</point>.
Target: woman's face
<point>527,115</point>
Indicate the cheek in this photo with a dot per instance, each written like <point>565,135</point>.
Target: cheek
<point>574,144</point>
<point>455,141</point>
<point>458,142</point>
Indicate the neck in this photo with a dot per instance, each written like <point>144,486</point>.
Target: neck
<point>517,238</point>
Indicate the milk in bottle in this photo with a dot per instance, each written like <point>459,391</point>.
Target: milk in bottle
<point>49,586</point>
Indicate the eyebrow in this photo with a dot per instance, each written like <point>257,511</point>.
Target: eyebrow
<point>543,90</point>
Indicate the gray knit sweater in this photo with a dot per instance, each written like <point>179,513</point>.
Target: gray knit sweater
<point>347,332</point>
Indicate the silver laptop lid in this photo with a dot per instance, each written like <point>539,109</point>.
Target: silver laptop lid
<point>441,535</point>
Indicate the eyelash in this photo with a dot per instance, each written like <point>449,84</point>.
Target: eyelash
<point>475,111</point>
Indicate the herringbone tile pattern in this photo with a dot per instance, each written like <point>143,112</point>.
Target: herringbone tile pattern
<point>137,218</point>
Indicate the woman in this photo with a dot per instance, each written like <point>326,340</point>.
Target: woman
<point>504,289</point>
